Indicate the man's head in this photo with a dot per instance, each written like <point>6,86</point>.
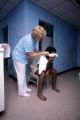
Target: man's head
<point>51,50</point>
<point>38,33</point>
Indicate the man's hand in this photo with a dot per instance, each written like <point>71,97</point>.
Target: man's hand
<point>51,59</point>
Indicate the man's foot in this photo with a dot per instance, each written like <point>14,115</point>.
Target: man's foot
<point>43,98</point>
<point>55,89</point>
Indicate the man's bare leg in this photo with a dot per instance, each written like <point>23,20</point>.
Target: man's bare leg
<point>40,83</point>
<point>54,77</point>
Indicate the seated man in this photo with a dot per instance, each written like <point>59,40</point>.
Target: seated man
<point>45,69</point>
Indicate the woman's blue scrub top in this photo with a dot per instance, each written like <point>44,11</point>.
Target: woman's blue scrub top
<point>26,44</point>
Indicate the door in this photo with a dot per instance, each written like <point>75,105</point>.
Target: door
<point>48,40</point>
<point>5,40</point>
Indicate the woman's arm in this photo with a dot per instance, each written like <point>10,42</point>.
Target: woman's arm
<point>33,55</point>
<point>36,50</point>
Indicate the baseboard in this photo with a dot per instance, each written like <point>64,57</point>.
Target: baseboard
<point>13,77</point>
<point>68,70</point>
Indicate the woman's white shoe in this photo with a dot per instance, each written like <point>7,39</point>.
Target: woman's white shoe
<point>29,90</point>
<point>25,95</point>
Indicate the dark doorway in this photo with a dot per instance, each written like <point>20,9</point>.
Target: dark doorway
<point>5,35</point>
<point>5,40</point>
<point>48,40</point>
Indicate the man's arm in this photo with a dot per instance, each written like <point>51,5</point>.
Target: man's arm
<point>51,60</point>
<point>50,63</point>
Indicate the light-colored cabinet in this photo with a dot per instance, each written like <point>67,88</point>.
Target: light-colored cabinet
<point>2,96</point>
<point>4,53</point>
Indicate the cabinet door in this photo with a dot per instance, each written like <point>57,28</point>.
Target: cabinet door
<point>2,106</point>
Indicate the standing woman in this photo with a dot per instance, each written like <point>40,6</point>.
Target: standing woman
<point>25,48</point>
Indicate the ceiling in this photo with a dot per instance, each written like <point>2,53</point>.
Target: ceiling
<point>68,10</point>
<point>6,6</point>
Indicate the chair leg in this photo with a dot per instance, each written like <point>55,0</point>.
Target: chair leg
<point>37,83</point>
<point>29,78</point>
<point>47,82</point>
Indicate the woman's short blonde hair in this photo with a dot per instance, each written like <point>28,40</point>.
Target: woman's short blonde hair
<point>39,32</point>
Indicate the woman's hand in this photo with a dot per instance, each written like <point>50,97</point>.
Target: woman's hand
<point>32,55</point>
<point>45,53</point>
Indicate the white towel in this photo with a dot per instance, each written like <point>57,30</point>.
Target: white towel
<point>42,64</point>
<point>53,54</point>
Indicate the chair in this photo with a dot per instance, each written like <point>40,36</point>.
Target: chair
<point>32,75</point>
